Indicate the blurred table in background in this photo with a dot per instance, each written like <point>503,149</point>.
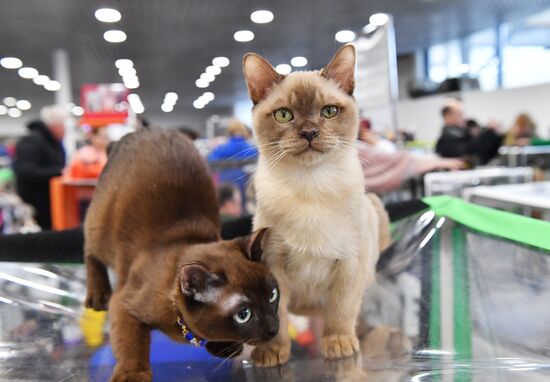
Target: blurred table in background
<point>528,196</point>
<point>65,200</point>
<point>453,183</point>
<point>526,156</point>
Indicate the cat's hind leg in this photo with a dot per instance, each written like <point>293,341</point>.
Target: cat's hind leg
<point>97,284</point>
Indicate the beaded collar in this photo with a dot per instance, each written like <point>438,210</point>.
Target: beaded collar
<point>197,341</point>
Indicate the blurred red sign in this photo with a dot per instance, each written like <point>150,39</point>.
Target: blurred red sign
<point>104,104</point>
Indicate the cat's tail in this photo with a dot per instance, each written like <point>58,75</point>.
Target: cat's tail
<point>384,235</point>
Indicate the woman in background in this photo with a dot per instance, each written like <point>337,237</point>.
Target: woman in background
<point>522,131</point>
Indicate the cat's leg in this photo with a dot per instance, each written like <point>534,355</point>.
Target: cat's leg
<point>131,341</point>
<point>97,284</point>
<point>277,351</point>
<point>341,311</point>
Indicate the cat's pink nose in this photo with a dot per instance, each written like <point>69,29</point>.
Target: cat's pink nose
<point>309,134</point>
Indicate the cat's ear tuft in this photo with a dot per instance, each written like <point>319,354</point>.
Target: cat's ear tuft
<point>253,244</point>
<point>260,76</point>
<point>197,282</point>
<point>342,68</point>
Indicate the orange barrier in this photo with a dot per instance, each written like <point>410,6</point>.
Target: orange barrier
<point>64,200</point>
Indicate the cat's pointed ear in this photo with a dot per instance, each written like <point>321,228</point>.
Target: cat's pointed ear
<point>260,76</point>
<point>342,68</point>
<point>253,244</point>
<point>198,282</point>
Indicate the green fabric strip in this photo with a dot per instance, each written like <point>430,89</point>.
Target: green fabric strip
<point>494,222</point>
<point>435,308</point>
<point>461,306</point>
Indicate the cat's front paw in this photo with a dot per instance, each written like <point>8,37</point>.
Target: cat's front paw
<point>271,354</point>
<point>132,376</point>
<point>339,346</point>
<point>97,299</point>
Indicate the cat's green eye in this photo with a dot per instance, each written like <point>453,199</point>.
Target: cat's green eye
<point>274,295</point>
<point>283,115</point>
<point>243,316</point>
<point>330,111</point>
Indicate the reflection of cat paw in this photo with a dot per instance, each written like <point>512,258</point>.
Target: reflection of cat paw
<point>271,354</point>
<point>97,300</point>
<point>132,376</point>
<point>339,346</point>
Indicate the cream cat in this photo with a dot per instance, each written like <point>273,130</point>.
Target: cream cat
<point>324,239</point>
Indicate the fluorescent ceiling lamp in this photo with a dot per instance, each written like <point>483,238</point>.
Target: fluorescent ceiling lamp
<point>52,86</point>
<point>107,15</point>
<point>213,70</point>
<point>27,72</point>
<point>243,36</point>
<point>200,83</point>
<point>127,71</point>
<point>11,63</point>
<point>197,104</point>
<point>298,61</point>
<point>9,101</point>
<point>114,36</point>
<point>379,19</point>
<point>3,110</point>
<point>220,62</point>
<point>171,97</point>
<point>207,77</point>
<point>369,28</point>
<point>345,36</point>
<point>124,63</point>
<point>208,96</point>
<point>283,69</point>
<point>23,104</point>
<point>261,17</point>
<point>135,103</point>
<point>41,79</point>
<point>166,108</point>
<point>14,112</point>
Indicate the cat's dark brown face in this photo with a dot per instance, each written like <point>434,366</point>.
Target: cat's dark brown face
<point>227,293</point>
<point>303,116</point>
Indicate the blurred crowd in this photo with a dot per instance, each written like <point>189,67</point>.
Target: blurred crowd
<point>386,158</point>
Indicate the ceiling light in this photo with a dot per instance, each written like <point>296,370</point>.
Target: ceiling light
<point>124,63</point>
<point>200,83</point>
<point>132,84</point>
<point>10,101</point>
<point>243,36</point>
<point>213,70</point>
<point>52,86</point>
<point>208,96</point>
<point>27,72</point>
<point>220,62</point>
<point>298,61</point>
<point>23,104</point>
<point>379,19</point>
<point>14,113</point>
<point>261,17</point>
<point>77,110</point>
<point>11,63</point>
<point>135,103</point>
<point>114,36</point>
<point>107,15</point>
<point>166,108</point>
<point>207,77</point>
<point>127,71</point>
<point>345,36</point>
<point>197,104</point>
<point>283,69</point>
<point>41,79</point>
<point>171,97</point>
<point>3,110</point>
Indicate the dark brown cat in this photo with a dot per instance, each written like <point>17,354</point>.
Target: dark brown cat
<point>154,219</point>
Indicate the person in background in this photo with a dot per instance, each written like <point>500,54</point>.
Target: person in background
<point>89,160</point>
<point>384,172</point>
<point>237,148</point>
<point>366,134</point>
<point>522,131</point>
<point>230,202</point>
<point>40,156</point>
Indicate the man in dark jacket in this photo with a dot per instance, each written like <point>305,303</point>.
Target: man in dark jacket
<point>455,141</point>
<point>40,156</point>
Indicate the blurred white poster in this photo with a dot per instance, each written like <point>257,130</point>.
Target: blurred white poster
<point>376,77</point>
